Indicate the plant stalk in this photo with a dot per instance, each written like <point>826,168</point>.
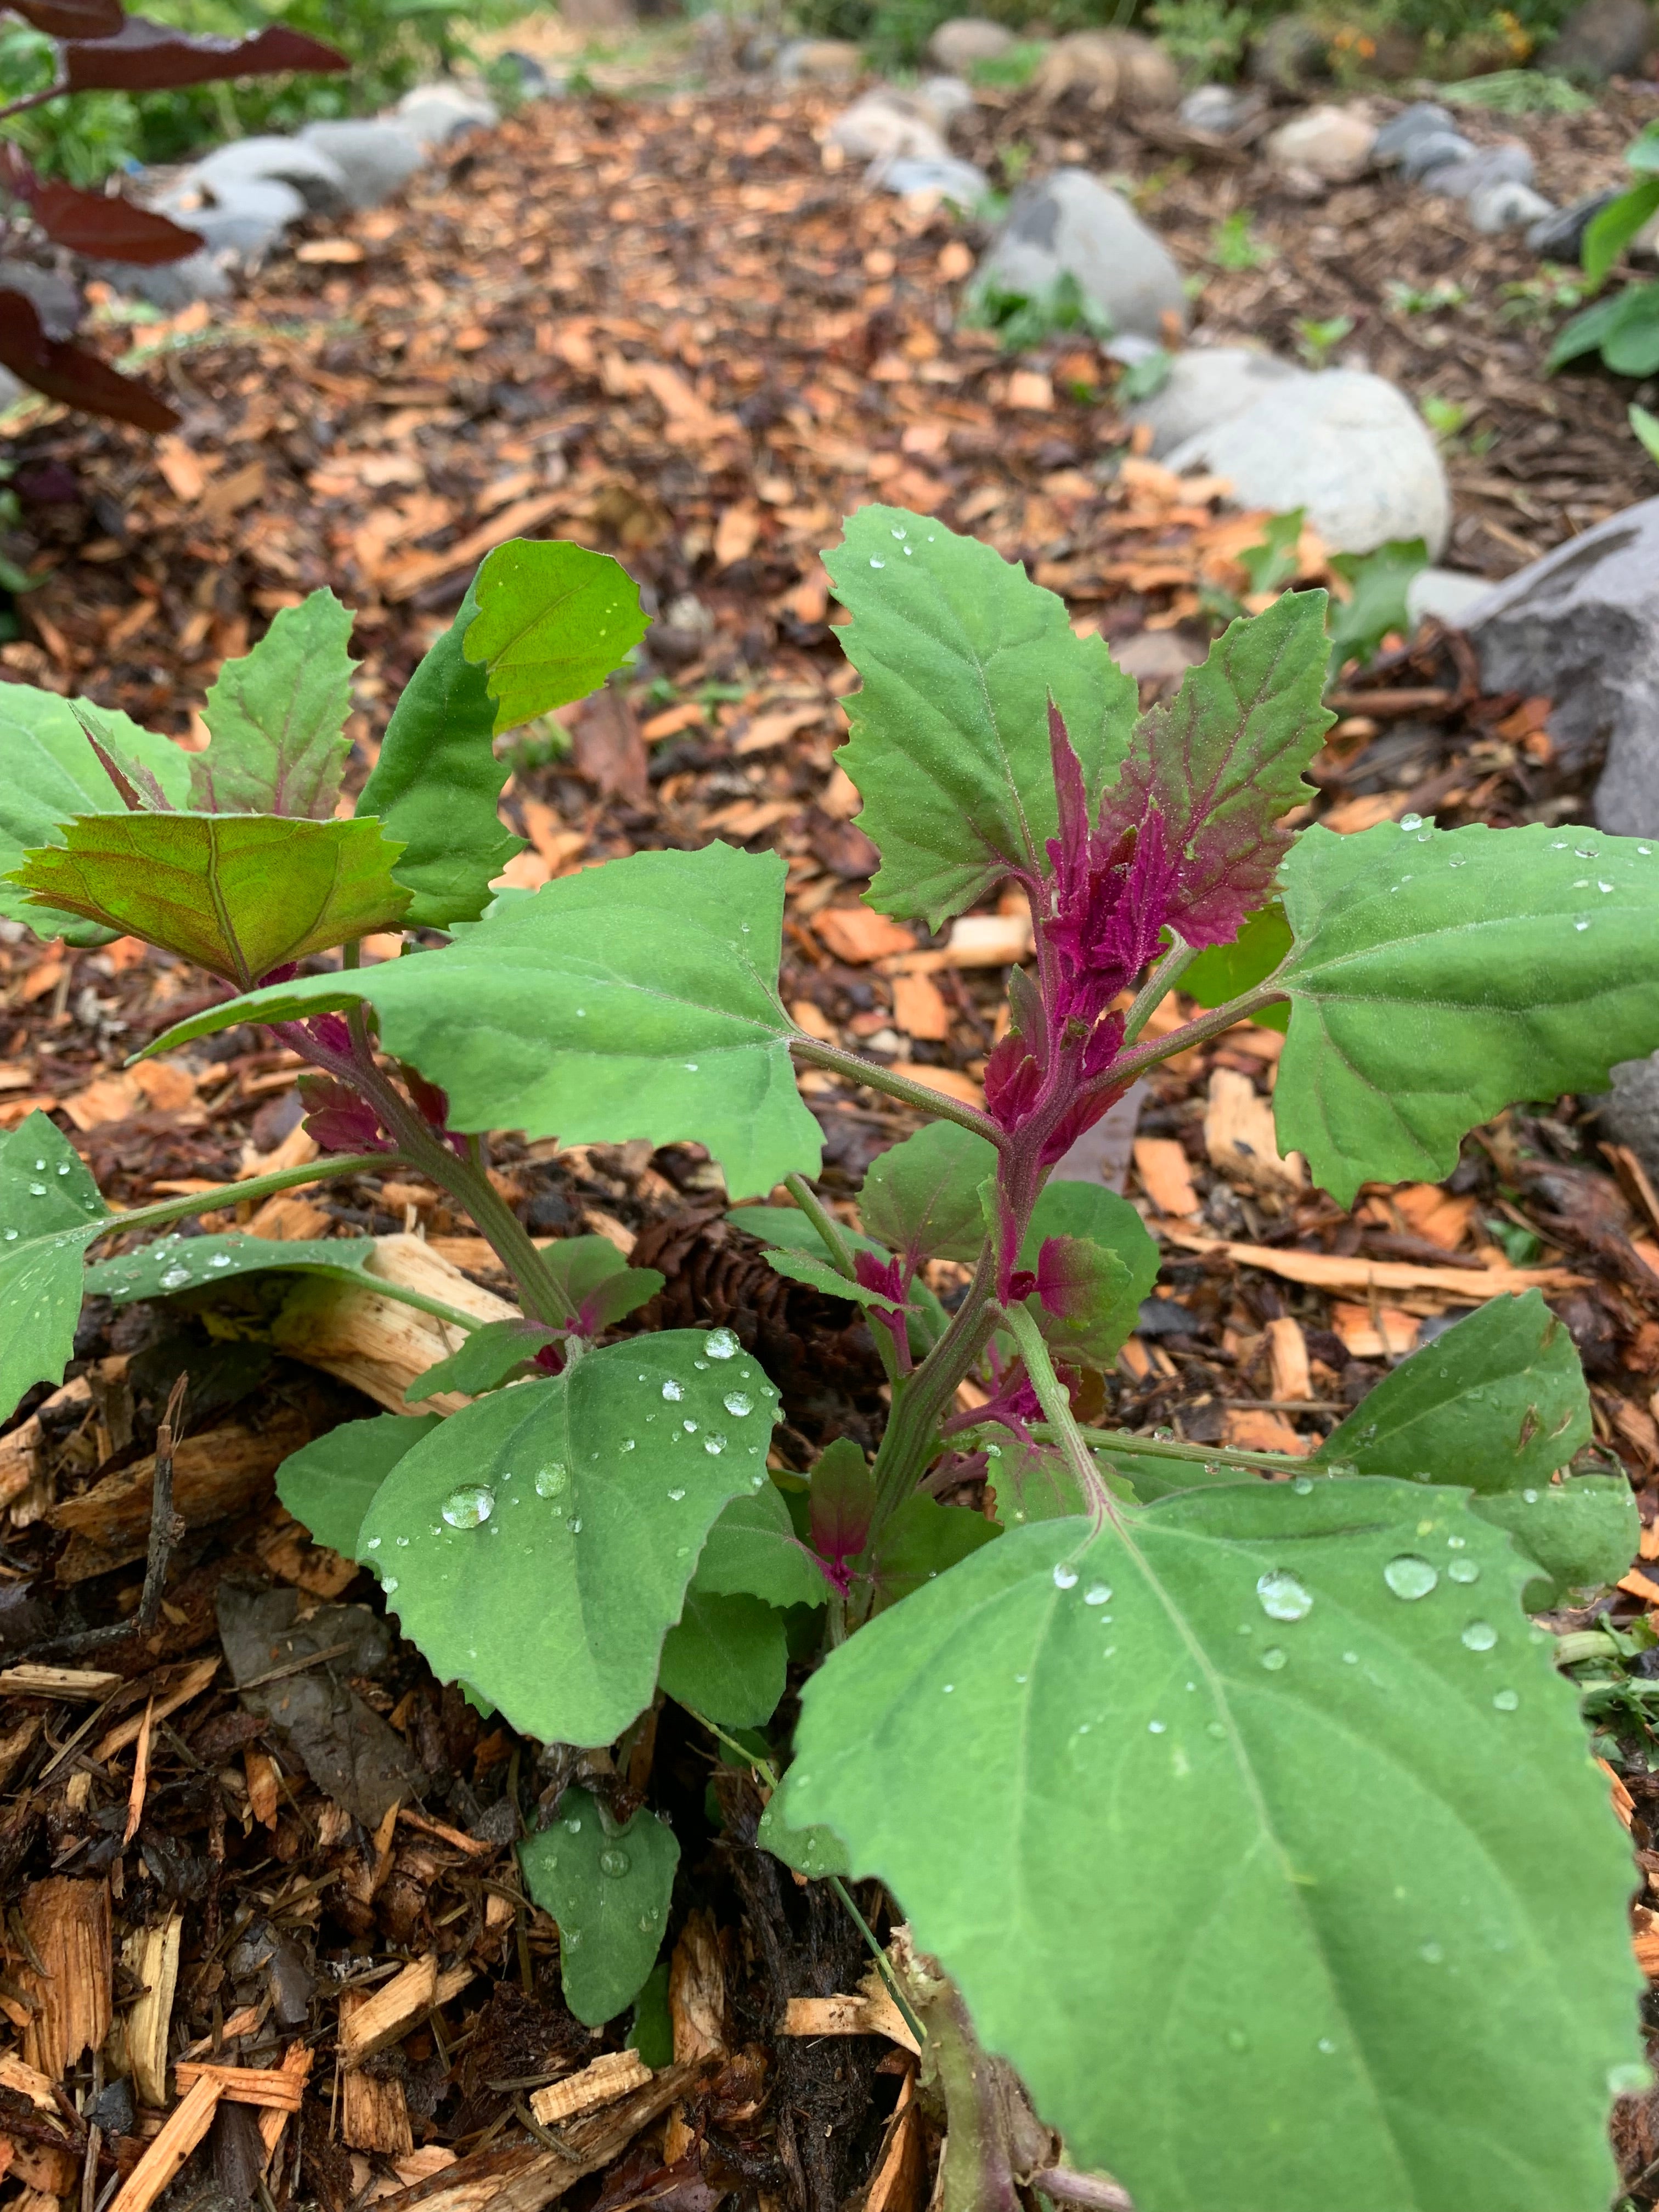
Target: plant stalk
<point>1157,987</point>
<point>232,1194</point>
<point>824,1222</point>
<point>857,1069</point>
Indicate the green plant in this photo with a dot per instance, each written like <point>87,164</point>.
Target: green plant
<point>1519,92</point>
<point>1023,321</point>
<point>1317,341</point>
<point>1414,300</point>
<point>1646,427</point>
<point>1251,1820</point>
<point>1206,39</point>
<point>1014,68</point>
<point>1623,330</point>
<point>1235,244</point>
<point>1539,299</point>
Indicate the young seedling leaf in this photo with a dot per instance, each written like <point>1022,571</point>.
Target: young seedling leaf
<point>50,1211</point>
<point>49,773</point>
<point>277,718</point>
<point>1065,1208</point>
<point>437,784</point>
<point>841,1501</point>
<point>636,999</point>
<point>1439,976</point>
<point>960,652</point>
<point>488,1357</point>
<point>608,1888</point>
<point>554,1528</point>
<point>922,1542</point>
<point>1429,1999</point>
<point>598,1281</point>
<point>238,894</point>
<point>727,1658</point>
<point>1083,1303</point>
<point>922,1197</point>
<point>802,1267</point>
<point>1223,760</point>
<point>813,1851</point>
<point>752,1551</point>
<point>1499,1402</point>
<point>787,1228</point>
<point>1582,1533</point>
<point>554,620</point>
<point>329,1484</point>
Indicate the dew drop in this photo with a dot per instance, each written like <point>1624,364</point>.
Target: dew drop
<point>1603,887</point>
<point>1529,1497</point>
<point>1326,2048</point>
<point>947,1688</point>
<point>1479,1636</point>
<point>1156,1727</point>
<point>1410,821</point>
<point>738,1402</point>
<point>1283,1597</point>
<point>675,1496</point>
<point>175,1279</point>
<point>1506,1700</point>
<point>1237,2039</point>
<point>615,1861</point>
<point>672,1390</point>
<point>1464,1570</point>
<point>220,1260</point>
<point>1064,1574</point>
<point>1350,1658</point>
<point>574,1526</point>
<point>389,1584</point>
<point>1431,1953</point>
<point>713,1446</point>
<point>373,1544</point>
<point>11,1238</point>
<point>1302,1485</point>
<point>575,1824</point>
<point>1273,1659</point>
<point>37,1190</point>
<point>1409,1576</point>
<point>469,1506</point>
<point>1586,852</point>
<point>1215,1728</point>
<point>874,563</point>
<point>1629,2081</point>
<point>721,1344</point>
<point>63,1167</point>
<point>691,1066</point>
<point>1096,1594</point>
<point>1581,921</point>
<point>1457,860</point>
<point>690,1427</point>
<point>551,1479</point>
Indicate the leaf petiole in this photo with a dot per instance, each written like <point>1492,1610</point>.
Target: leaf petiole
<point>823,1221</point>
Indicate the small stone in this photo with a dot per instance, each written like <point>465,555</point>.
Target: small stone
<point>1070,224</point>
<point>1216,108</point>
<point>1603,38</point>
<point>1508,163</point>
<point>1346,447</point>
<point>945,99</point>
<point>1506,207</point>
<point>1332,143</point>
<point>1207,385</point>
<point>952,179</point>
<point>1107,68</point>
<point>435,114</point>
<point>320,181</point>
<point>1558,235</point>
<point>1434,150</point>
<point>1447,593</point>
<point>1419,120</point>
<point>962,41</point>
<point>247,215</point>
<point>376,157</point>
<point>54,299</point>
<point>819,61</point>
<point>890,124</point>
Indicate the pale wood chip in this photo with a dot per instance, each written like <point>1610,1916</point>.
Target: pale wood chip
<point>151,1956</point>
<point>186,2124</point>
<point>1165,1176</point>
<point>1331,1271</point>
<point>191,1684</point>
<point>68,1924</point>
<point>374,2114</point>
<point>272,2087</point>
<point>1287,1358</point>
<point>1240,1139</point>
<point>608,2078</point>
<point>866,2014</point>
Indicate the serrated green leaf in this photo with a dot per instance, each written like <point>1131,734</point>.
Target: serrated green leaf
<point>812,1851</point>
<point>49,774</point>
<point>636,999</point>
<point>173,1263</point>
<point>437,784</point>
<point>1084,1303</point>
<point>1108,1304</point>
<point>1582,1533</point>
<point>554,620</point>
<point>1498,1400</point>
<point>1377,602</point>
<point>959,651</point>
<point>603,1483</point>
<point>488,1357</point>
<point>752,1551</point>
<point>922,1196</point>
<point>1439,976</point>
<point>329,1485</point>
<point>239,893</point>
<point>277,718</point>
<point>921,1541</point>
<point>50,1211</point>
<point>803,1267</point>
<point>726,1658</point>
<point>598,1281</point>
<point>608,1888</point>
<point>1142,1886</point>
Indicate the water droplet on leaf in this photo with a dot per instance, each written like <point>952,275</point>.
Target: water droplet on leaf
<point>1409,1576</point>
<point>1273,1659</point>
<point>672,1390</point>
<point>551,1479</point>
<point>1283,1597</point>
<point>1064,1574</point>
<point>721,1344</point>
<point>1097,1594</point>
<point>469,1506</point>
<point>1479,1635</point>
<point>1506,1700</point>
<point>738,1402</point>
<point>615,1861</point>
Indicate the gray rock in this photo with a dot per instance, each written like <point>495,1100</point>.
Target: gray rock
<point>818,61</point>
<point>1418,121</point>
<point>1331,142</point>
<point>433,114</point>
<point>888,124</point>
<point>1506,207</point>
<point>1434,150</point>
<point>1206,385</point>
<point>1070,224</point>
<point>1448,593</point>
<point>1603,38</point>
<point>170,285</point>
<point>248,214</point>
<point>1216,108</point>
<point>1582,626</point>
<point>964,39</point>
<point>1348,446</point>
<point>1558,237</point>
<point>534,82</point>
<point>945,98</point>
<point>377,158</point>
<point>1629,1112</point>
<point>1509,162</point>
<point>320,181</point>
<point>58,302</point>
<point>953,180</point>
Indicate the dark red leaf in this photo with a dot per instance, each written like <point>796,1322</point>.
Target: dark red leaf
<point>72,19</point>
<point>109,229</point>
<point>146,56</point>
<point>64,371</point>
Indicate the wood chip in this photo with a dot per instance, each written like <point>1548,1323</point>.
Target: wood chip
<point>990,940</point>
<point>1331,1272</point>
<point>602,2083</point>
<point>858,934</point>
<point>186,2124</point>
<point>374,2112</point>
<point>385,2015</point>
<point>920,1009</point>
<point>67,1682</point>
<point>1440,1215</point>
<point>1165,1175</point>
<point>696,1991</point>
<point>1287,1358</point>
<point>222,1472</point>
<point>1385,1333</point>
<point>1240,1139</point>
<point>68,1924</point>
<point>191,1684</point>
<point>151,1956</point>
<point>866,2014</point>
<point>901,2176</point>
<point>28,2081</point>
<point>379,1346</point>
<point>949,1080</point>
<point>1249,1428</point>
<point>272,2086</point>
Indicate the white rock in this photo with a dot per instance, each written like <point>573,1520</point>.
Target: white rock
<point>945,98</point>
<point>964,39</point>
<point>1207,385</point>
<point>1346,447</point>
<point>376,157</point>
<point>1331,142</point>
<point>952,179</point>
<point>1070,224</point>
<point>247,216</point>
<point>433,114</point>
<point>1448,593</point>
<point>888,125</point>
<point>1214,107</point>
<point>1506,207</point>
<point>320,181</point>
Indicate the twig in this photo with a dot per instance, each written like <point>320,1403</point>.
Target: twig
<point>1089,2190</point>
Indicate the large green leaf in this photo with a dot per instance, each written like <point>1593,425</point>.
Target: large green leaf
<point>1268,1851</point>
<point>277,718</point>
<point>608,1888</point>
<point>752,1550</point>
<point>1497,1401</point>
<point>922,1197</point>
<point>960,653</point>
<point>553,619</point>
<point>1226,971</point>
<point>634,999</point>
<point>239,893</point>
<point>1439,976</point>
<point>921,1541</point>
<point>605,1482</point>
<point>49,774</point>
<point>815,1851</point>
<point>726,1658</point>
<point>174,1263</point>
<point>437,784</point>
<point>1582,1533</point>
<point>1610,230</point>
<point>50,1211</point>
<point>329,1484</point>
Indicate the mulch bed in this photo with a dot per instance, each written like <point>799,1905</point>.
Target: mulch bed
<point>667,329</point>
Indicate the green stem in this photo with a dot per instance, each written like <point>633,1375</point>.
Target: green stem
<point>912,1432</point>
<point>824,1222</point>
<point>854,1066</point>
<point>1051,1396</point>
<point>1132,1445</point>
<point>232,1194</point>
<point>1157,987</point>
<point>1129,1065</point>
